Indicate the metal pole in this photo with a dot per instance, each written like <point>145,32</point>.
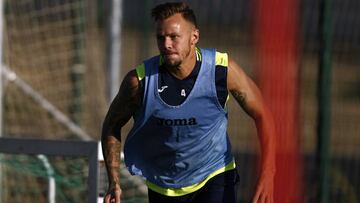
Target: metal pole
<point>114,48</point>
<point>78,66</point>
<point>324,99</point>
<point>1,90</point>
<point>101,182</point>
<point>45,104</point>
<point>113,57</point>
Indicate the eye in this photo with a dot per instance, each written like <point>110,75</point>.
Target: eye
<point>160,37</point>
<point>174,37</point>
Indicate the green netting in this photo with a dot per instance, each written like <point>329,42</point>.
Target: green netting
<point>25,178</point>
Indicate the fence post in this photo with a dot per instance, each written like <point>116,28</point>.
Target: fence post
<point>113,58</point>
<point>324,99</point>
<point>1,89</point>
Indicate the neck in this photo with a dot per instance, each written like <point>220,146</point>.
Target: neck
<point>186,67</point>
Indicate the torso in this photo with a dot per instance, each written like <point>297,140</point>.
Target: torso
<point>185,138</point>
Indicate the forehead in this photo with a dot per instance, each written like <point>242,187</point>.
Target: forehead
<point>173,23</point>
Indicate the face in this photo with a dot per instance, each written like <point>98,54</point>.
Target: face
<point>176,39</point>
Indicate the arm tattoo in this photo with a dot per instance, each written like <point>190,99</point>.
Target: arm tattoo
<point>240,97</point>
<point>120,111</point>
<point>112,160</point>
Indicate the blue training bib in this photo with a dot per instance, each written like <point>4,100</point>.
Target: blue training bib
<point>178,146</point>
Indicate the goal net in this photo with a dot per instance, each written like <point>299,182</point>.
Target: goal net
<point>58,171</point>
<point>54,89</point>
<point>50,45</point>
<point>48,171</point>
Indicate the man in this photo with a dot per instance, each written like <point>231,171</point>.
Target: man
<point>179,141</point>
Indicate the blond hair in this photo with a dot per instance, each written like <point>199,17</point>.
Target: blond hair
<point>166,10</point>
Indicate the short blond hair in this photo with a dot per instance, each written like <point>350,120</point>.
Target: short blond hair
<point>166,10</point>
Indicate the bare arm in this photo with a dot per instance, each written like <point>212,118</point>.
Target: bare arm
<point>121,109</point>
<point>249,98</point>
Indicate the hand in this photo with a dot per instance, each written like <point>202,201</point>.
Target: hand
<point>113,194</point>
<point>265,189</point>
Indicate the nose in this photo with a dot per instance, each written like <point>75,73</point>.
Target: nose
<point>165,43</point>
<point>168,43</point>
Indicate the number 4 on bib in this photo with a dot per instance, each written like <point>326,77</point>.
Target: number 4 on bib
<point>183,93</point>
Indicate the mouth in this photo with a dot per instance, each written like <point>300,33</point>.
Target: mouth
<point>168,53</point>
<point>170,58</point>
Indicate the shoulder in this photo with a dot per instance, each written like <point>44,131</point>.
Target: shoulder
<point>221,59</point>
<point>236,75</point>
<point>140,71</point>
<point>130,89</point>
<point>131,79</point>
<point>129,94</point>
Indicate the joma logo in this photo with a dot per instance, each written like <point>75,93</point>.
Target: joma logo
<point>176,122</point>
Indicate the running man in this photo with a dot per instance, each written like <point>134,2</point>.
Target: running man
<point>178,99</point>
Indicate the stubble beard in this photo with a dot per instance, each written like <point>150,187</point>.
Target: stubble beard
<point>173,63</point>
<point>176,64</point>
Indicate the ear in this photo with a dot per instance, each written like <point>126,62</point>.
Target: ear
<point>195,34</point>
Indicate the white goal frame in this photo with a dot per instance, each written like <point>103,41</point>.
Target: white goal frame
<point>88,149</point>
